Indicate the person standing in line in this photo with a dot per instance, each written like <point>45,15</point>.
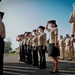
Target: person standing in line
<point>42,46</point>
<point>35,48</point>
<point>23,52</point>
<point>68,47</point>
<point>72,21</point>
<point>25,45</point>
<point>29,48</point>
<point>72,48</point>
<point>19,39</point>
<point>2,37</point>
<point>61,47</point>
<point>53,44</point>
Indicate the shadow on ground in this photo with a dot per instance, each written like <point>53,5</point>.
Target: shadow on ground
<point>20,68</point>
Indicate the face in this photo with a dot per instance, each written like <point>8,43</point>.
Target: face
<point>67,36</point>
<point>41,30</point>
<point>30,34</point>
<point>52,25</point>
<point>61,37</point>
<point>26,34</point>
<point>35,33</point>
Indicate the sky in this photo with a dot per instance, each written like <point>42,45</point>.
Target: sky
<point>26,15</point>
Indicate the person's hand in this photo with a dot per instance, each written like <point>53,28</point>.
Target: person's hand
<point>48,22</point>
<point>43,47</point>
<point>56,45</point>
<point>35,48</point>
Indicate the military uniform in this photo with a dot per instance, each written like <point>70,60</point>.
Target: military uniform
<point>25,48</point>
<point>29,50</point>
<point>68,49</point>
<point>61,47</point>
<point>35,50</point>
<point>72,21</point>
<point>2,37</point>
<point>41,39</point>
<point>20,50</point>
<point>53,51</point>
<point>72,49</point>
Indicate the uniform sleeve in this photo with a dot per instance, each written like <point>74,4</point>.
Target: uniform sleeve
<point>36,39</point>
<point>71,16</point>
<point>56,31</point>
<point>44,36</point>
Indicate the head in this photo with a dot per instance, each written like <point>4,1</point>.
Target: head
<point>34,32</point>
<point>52,23</point>
<point>61,37</point>
<point>25,34</point>
<point>41,28</point>
<point>29,34</point>
<point>73,5</point>
<point>1,15</point>
<point>67,35</point>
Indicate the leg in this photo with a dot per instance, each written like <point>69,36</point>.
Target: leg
<point>29,56</point>
<point>73,31</point>
<point>35,58</point>
<point>40,53</point>
<point>55,62</point>
<point>1,56</point>
<point>63,52</point>
<point>44,59</point>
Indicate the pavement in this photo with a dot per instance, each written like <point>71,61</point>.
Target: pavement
<point>12,66</point>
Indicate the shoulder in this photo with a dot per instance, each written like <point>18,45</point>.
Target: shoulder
<point>2,24</point>
<point>44,33</point>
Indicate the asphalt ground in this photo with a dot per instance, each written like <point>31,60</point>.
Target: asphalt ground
<point>12,66</point>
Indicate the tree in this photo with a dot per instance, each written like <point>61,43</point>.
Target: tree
<point>8,44</point>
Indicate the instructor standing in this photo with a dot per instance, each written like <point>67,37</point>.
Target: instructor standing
<point>2,36</point>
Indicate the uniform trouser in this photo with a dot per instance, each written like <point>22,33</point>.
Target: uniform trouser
<point>68,52</point>
<point>25,50</point>
<point>29,55</point>
<point>42,56</point>
<point>1,55</point>
<point>35,55</point>
<point>61,52</point>
<point>72,52</point>
<point>23,54</point>
<point>20,53</point>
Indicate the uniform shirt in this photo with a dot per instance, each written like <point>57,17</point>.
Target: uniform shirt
<point>2,30</point>
<point>34,40</point>
<point>41,38</point>
<point>19,43</point>
<point>61,42</point>
<point>72,16</point>
<point>53,32</point>
<point>29,41</point>
<point>25,40</point>
<point>67,42</point>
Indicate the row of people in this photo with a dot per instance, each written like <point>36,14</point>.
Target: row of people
<point>66,47</point>
<point>32,42</point>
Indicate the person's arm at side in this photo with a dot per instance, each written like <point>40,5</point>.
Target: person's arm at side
<point>44,38</point>
<point>56,38</point>
<point>70,19</point>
